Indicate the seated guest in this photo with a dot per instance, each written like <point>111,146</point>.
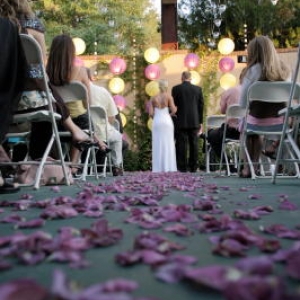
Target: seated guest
<point>33,97</point>
<point>100,96</point>
<point>215,136</point>
<point>263,64</point>
<point>62,70</point>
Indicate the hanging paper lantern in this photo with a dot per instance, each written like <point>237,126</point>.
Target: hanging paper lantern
<point>226,64</point>
<point>117,66</point>
<point>123,119</point>
<point>152,72</point>
<point>191,61</point>
<point>149,124</point>
<point>79,45</point>
<point>120,101</point>
<point>152,88</point>
<point>226,46</point>
<point>116,85</point>
<point>78,62</point>
<point>195,77</point>
<point>151,55</point>
<point>227,81</point>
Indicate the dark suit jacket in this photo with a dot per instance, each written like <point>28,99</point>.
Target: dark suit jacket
<point>189,101</point>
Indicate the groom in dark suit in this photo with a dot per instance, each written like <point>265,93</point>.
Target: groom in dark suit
<point>188,122</point>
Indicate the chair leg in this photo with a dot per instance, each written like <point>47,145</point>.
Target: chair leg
<point>40,169</point>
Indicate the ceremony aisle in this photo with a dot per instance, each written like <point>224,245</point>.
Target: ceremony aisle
<point>169,236</point>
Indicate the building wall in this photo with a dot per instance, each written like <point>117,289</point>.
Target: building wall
<point>173,65</point>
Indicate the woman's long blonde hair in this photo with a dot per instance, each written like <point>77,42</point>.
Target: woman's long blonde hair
<point>261,50</point>
<point>13,9</point>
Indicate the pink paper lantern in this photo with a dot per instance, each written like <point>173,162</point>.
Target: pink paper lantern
<point>226,64</point>
<point>120,101</point>
<point>152,72</point>
<point>191,61</point>
<point>117,66</point>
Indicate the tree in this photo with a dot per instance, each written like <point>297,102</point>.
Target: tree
<point>280,22</point>
<point>107,26</point>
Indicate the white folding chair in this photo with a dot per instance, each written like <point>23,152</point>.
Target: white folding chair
<point>292,110</point>
<point>76,91</point>
<point>212,122</point>
<point>230,145</point>
<point>34,57</point>
<point>271,93</point>
<point>98,114</point>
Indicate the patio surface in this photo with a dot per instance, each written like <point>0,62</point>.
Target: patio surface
<point>146,192</point>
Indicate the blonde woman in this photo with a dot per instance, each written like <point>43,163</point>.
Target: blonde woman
<point>263,64</point>
<point>163,145</point>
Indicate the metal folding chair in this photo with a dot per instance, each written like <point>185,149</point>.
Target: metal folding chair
<point>99,113</point>
<point>76,91</point>
<point>34,57</point>
<point>212,122</point>
<point>230,145</point>
<point>271,93</point>
<point>294,112</point>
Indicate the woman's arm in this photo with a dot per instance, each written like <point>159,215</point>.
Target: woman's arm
<point>172,106</point>
<point>151,109</point>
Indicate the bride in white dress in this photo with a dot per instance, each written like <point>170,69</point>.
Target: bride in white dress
<point>163,145</point>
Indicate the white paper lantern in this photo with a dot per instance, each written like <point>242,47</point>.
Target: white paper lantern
<point>226,46</point>
<point>79,45</point>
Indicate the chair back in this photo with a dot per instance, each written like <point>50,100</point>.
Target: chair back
<point>214,121</point>
<point>32,49</point>
<point>235,111</point>
<point>74,91</point>
<point>270,91</point>
<point>34,57</point>
<point>100,119</point>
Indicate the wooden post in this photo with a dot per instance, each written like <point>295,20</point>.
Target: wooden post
<point>169,24</point>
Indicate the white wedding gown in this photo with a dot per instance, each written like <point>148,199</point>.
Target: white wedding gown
<point>163,145</point>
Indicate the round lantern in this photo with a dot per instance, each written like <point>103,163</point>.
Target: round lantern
<point>226,46</point>
<point>195,77</point>
<point>227,81</point>
<point>116,85</point>
<point>78,62</point>
<point>152,72</point>
<point>151,55</point>
<point>79,45</point>
<point>149,124</point>
<point>226,64</point>
<point>152,88</point>
<point>117,66</point>
<point>120,101</point>
<point>191,61</point>
<point>123,119</point>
